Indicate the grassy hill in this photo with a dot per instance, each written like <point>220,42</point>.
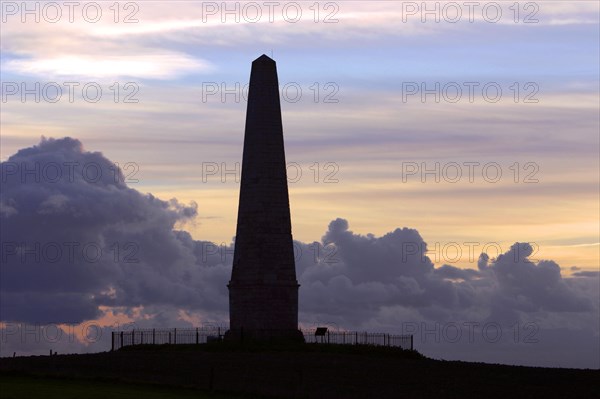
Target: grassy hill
<point>298,371</point>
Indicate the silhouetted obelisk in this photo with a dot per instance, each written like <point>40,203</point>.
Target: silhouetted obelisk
<point>263,291</point>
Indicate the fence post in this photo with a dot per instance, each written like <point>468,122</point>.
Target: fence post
<point>132,337</point>
<point>120,346</point>
<point>411,342</point>
<point>112,341</point>
<point>356,338</point>
<point>153,336</point>
<point>175,336</point>
<point>344,337</point>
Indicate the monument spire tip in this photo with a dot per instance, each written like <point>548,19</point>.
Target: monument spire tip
<point>264,58</point>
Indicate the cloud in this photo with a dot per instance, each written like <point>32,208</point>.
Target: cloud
<point>394,270</point>
<point>149,66</point>
<point>75,231</point>
<point>79,245</point>
<point>387,283</point>
<point>534,286</point>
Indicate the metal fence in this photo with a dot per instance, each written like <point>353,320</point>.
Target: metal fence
<point>203,335</point>
<point>360,338</point>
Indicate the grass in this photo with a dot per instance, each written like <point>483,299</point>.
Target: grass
<point>363,350</point>
<point>15,386</point>
<point>216,370</point>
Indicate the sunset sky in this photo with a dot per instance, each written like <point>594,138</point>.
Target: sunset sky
<point>377,113</point>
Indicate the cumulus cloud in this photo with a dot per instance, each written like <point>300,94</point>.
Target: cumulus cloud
<point>78,244</point>
<point>510,310</point>
<point>534,286</point>
<point>72,231</point>
<point>371,272</point>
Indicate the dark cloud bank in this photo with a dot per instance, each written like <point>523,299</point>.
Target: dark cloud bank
<point>76,239</point>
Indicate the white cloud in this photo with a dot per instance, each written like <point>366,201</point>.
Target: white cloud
<point>151,66</point>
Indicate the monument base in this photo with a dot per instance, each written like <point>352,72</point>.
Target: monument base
<point>264,336</point>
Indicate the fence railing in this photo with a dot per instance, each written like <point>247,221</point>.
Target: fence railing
<point>164,336</point>
<point>361,338</point>
<point>203,335</point>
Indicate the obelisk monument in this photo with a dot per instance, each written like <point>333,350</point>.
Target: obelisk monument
<point>263,290</point>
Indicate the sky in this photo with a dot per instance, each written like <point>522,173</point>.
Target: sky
<point>455,129</point>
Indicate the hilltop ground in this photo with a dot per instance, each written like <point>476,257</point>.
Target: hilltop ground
<point>310,371</point>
